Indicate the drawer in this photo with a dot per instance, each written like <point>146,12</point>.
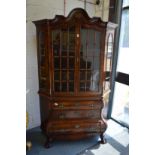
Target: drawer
<point>76,105</point>
<point>75,127</point>
<point>70,114</point>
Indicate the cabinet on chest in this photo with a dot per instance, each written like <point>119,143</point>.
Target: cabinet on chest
<point>71,59</point>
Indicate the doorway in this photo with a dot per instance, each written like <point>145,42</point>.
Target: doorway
<point>119,102</point>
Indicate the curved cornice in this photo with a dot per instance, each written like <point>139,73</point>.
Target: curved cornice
<point>76,15</point>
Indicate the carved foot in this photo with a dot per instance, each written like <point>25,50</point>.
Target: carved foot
<point>103,140</point>
<point>47,143</point>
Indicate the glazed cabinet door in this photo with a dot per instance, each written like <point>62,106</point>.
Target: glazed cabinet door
<point>90,61</point>
<point>43,60</point>
<point>64,53</point>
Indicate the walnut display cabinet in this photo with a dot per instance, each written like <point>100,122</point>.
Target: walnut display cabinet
<point>71,68</point>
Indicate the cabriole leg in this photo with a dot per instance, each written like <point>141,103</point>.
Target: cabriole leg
<point>103,140</point>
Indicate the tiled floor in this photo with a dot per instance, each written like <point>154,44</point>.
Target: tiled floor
<point>117,143</point>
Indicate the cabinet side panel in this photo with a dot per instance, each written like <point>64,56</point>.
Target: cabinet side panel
<point>44,108</point>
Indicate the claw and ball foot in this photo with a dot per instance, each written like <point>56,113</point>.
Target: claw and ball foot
<point>103,140</point>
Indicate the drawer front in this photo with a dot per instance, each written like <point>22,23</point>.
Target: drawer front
<point>76,105</point>
<point>70,114</point>
<point>75,127</point>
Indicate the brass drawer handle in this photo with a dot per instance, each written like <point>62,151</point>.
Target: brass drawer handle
<point>92,129</point>
<point>77,126</point>
<point>56,104</point>
<point>62,116</point>
<point>61,106</point>
<point>92,105</point>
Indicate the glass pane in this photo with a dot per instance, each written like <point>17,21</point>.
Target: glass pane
<point>64,35</point>
<point>72,38</point>
<point>89,75</point>
<point>82,63</point>
<point>71,75</point>
<point>83,42</point>
<point>88,86</point>
<point>89,63</point>
<point>71,86</point>
<point>90,42</point>
<point>64,63</point>
<point>96,65</point>
<point>123,57</point>
<point>110,46</point>
<point>64,75</point>
<point>82,86</point>
<point>90,59</point>
<point>57,86</point>
<point>72,43</point>
<point>97,43</point>
<point>64,86</point>
<point>125,3</point>
<point>71,53</point>
<point>120,110</point>
<point>71,63</point>
<point>56,42</point>
<point>56,63</point>
<point>94,85</point>
<point>83,75</point>
<point>56,75</point>
<point>64,43</point>
<point>124,35</point>
<point>95,76</point>
<point>64,52</point>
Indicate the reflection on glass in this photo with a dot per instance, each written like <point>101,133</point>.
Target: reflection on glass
<point>89,60</point>
<point>94,81</point>
<point>96,64</point>
<point>110,46</point>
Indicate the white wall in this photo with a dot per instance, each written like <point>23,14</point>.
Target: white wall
<point>40,9</point>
